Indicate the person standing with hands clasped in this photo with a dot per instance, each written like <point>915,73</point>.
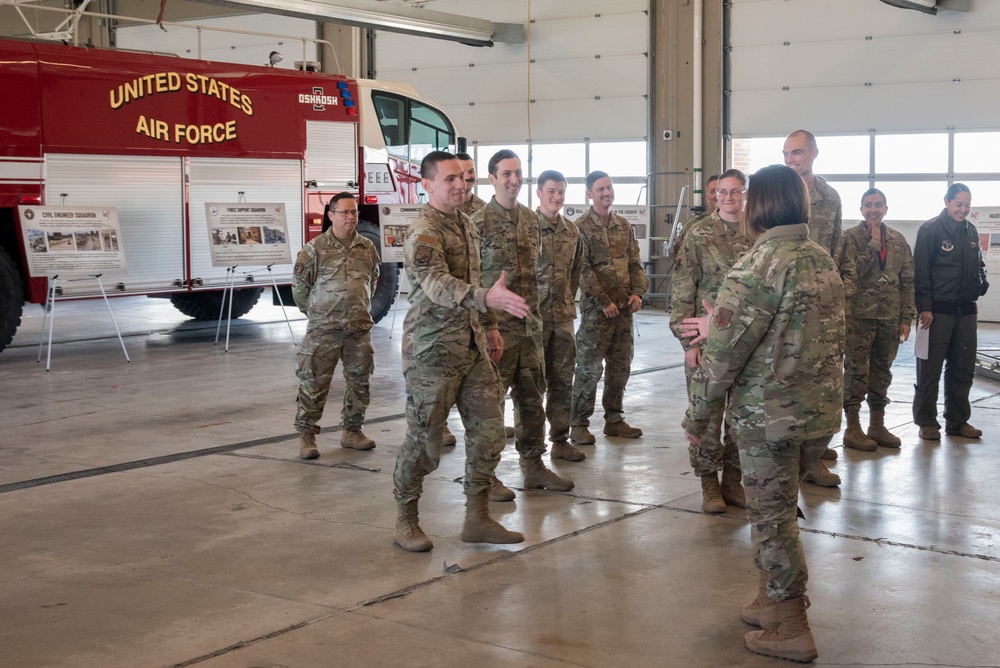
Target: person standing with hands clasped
<point>333,281</point>
<point>949,276</point>
<point>775,348</point>
<point>879,320</point>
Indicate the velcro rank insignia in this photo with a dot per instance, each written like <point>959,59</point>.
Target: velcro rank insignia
<point>422,257</point>
<point>723,318</point>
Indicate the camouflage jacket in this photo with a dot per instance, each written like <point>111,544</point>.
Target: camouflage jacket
<point>776,343</point>
<point>711,247</point>
<point>675,249</point>
<point>333,282</point>
<point>560,259</point>
<point>512,246</point>
<point>612,271</point>
<point>881,294</point>
<point>441,259</point>
<point>826,227</point>
<point>470,206</point>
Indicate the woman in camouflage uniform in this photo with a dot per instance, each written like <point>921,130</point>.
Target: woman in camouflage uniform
<point>775,345</point>
<point>881,311</point>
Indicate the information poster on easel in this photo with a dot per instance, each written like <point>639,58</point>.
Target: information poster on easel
<point>987,222</point>
<point>247,233</point>
<point>394,221</point>
<point>71,241</point>
<point>637,216</point>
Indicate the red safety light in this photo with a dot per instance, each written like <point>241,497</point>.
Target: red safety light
<point>31,199</point>
<point>371,199</point>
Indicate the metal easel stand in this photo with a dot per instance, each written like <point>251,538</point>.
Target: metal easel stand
<point>50,307</point>
<point>395,305</point>
<point>230,289</point>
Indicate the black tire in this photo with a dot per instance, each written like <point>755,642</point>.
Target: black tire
<point>11,298</point>
<point>388,279</point>
<point>205,305</point>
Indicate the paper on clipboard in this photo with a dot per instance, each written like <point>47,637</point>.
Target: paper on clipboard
<point>921,342</point>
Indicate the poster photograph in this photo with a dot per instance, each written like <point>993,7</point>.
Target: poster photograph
<point>394,222</point>
<point>71,241</point>
<point>245,234</point>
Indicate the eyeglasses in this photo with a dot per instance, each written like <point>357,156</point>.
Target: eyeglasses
<point>470,180</point>
<point>348,212</point>
<point>722,194</point>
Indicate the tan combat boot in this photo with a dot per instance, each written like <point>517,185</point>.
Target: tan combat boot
<point>761,612</point>
<point>829,455</point>
<point>355,439</point>
<point>564,450</point>
<point>878,433</point>
<point>536,476</point>
<point>792,639</point>
<point>481,528</point>
<point>732,486</point>
<point>581,435</point>
<point>448,439</point>
<point>409,535</point>
<point>509,432</point>
<point>854,437</point>
<point>711,494</point>
<point>622,429</point>
<point>307,445</point>
<point>822,476</point>
<point>500,491</point>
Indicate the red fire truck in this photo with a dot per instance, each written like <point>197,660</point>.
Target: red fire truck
<point>157,137</point>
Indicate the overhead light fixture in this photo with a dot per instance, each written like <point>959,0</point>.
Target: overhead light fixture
<point>406,19</point>
<point>275,58</point>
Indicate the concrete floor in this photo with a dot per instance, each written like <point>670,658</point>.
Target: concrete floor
<point>246,556</point>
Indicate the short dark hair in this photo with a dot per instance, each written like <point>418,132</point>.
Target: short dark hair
<point>463,156</point>
<point>874,191</point>
<point>502,154</point>
<point>428,166</point>
<point>777,196</point>
<point>550,175</point>
<point>713,177</point>
<point>339,196</point>
<point>955,189</point>
<point>594,177</point>
<point>734,174</point>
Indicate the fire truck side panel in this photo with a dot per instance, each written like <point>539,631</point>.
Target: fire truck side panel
<point>220,180</point>
<point>148,192</point>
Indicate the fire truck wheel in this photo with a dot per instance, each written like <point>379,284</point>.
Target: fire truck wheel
<point>11,299</point>
<point>205,305</point>
<point>388,279</point>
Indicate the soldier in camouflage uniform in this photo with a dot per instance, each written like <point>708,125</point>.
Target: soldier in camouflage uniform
<point>510,238</point>
<point>882,309</point>
<point>775,346</point>
<point>711,204</point>
<point>445,359</point>
<point>613,284</point>
<point>334,278</point>
<point>711,247</point>
<point>560,260</point>
<point>825,228</point>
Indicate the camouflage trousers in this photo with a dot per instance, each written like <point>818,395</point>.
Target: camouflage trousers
<point>771,476</point>
<point>716,448</point>
<point>869,353</point>
<point>317,359</point>
<point>521,369</point>
<point>601,344</point>
<point>434,383</point>
<point>560,356</point>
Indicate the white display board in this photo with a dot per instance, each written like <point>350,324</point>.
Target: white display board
<point>394,221</point>
<point>636,215</point>
<point>987,222</point>
<point>71,241</point>
<point>247,233</point>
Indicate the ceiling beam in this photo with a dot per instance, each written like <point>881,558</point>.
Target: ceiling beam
<point>396,18</point>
